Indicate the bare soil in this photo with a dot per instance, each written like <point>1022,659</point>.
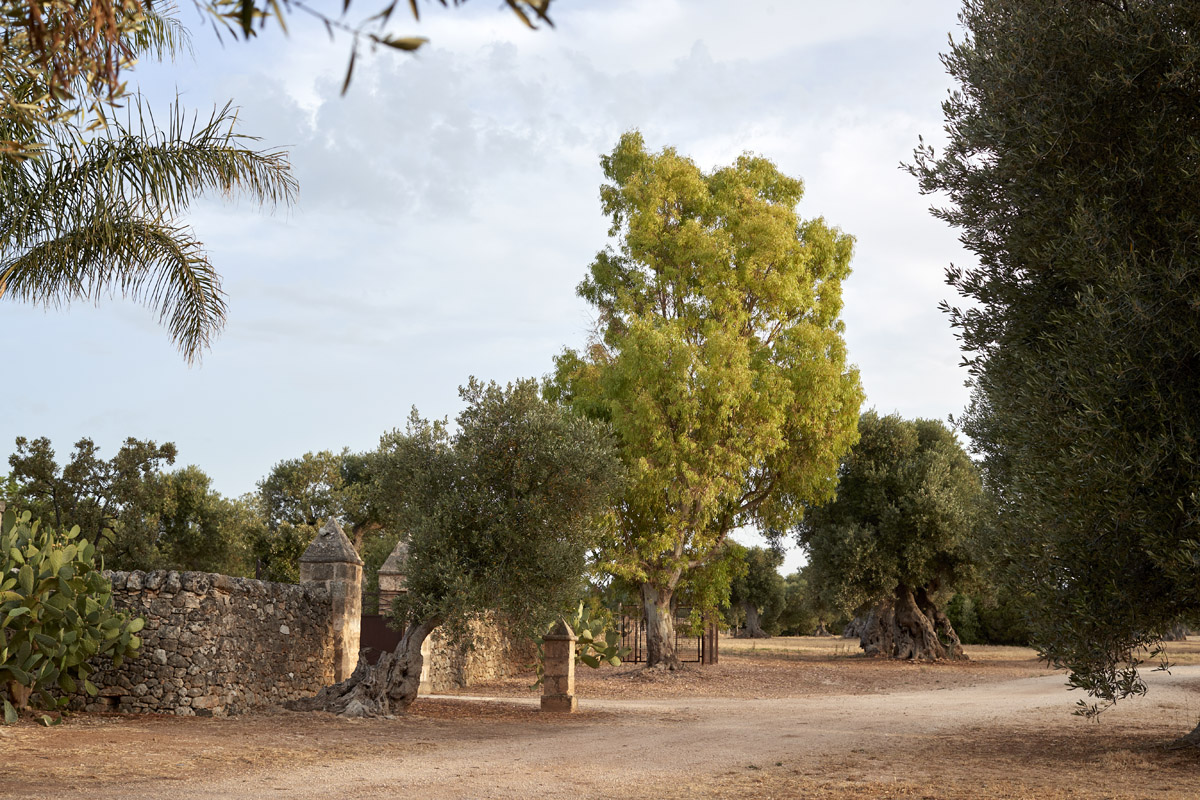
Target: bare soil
<point>777,718</point>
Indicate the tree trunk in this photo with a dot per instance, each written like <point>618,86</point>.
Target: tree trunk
<point>374,691</point>
<point>660,628</point>
<point>854,628</point>
<point>1176,633</point>
<point>1190,740</point>
<point>753,623</point>
<point>821,629</point>
<point>908,625</point>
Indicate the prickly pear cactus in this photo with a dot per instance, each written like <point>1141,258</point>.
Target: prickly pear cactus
<point>56,614</point>
<point>596,643</point>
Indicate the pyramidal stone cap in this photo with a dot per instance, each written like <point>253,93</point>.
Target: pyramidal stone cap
<point>561,632</point>
<point>395,562</point>
<point>331,546</point>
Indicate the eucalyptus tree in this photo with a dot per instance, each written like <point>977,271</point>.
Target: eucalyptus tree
<point>499,516</point>
<point>719,362</point>
<point>88,210</point>
<point>1074,136</point>
<point>899,535</point>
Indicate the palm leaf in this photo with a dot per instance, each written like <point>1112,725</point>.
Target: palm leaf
<point>150,261</point>
<point>90,218</point>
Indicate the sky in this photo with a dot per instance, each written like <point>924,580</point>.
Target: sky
<point>449,205</point>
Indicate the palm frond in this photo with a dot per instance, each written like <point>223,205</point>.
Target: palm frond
<point>148,260</point>
<point>86,218</point>
<point>160,170</point>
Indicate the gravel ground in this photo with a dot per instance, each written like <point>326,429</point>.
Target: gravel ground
<point>768,722</point>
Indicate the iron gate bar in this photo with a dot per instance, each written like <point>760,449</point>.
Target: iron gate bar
<point>633,636</point>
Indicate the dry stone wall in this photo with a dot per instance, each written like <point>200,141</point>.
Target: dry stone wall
<point>215,645</point>
<point>493,654</point>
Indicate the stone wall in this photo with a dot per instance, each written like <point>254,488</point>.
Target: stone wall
<point>214,644</point>
<point>494,654</point>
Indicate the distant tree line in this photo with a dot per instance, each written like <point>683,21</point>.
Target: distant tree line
<point>144,515</point>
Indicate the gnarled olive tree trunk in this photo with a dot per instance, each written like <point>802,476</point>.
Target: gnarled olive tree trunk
<point>753,623</point>
<point>1178,632</point>
<point>660,628</point>
<point>908,625</point>
<point>376,691</point>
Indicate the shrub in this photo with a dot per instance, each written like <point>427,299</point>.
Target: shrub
<point>56,614</point>
<point>964,616</point>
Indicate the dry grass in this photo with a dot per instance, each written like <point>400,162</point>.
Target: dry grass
<point>837,647</point>
<point>787,666</point>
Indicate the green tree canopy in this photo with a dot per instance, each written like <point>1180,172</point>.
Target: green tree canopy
<point>111,500</point>
<point>198,529</point>
<point>720,361</point>
<point>899,534</point>
<point>1070,171</point>
<point>759,592</point>
<point>499,515</point>
<point>809,606</point>
<point>136,514</point>
<point>300,494</point>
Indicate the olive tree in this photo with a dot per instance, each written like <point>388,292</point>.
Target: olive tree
<point>1074,136</point>
<point>498,515</point>
<point>899,534</point>
<point>759,591</point>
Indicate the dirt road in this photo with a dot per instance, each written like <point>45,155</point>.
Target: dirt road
<point>1014,738</point>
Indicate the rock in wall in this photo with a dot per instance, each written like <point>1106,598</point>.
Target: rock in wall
<point>491,653</point>
<point>215,645</point>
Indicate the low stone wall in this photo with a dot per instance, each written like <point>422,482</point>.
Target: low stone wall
<point>215,645</point>
<point>494,654</point>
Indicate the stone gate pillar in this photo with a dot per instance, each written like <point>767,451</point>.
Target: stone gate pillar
<point>331,561</point>
<point>392,585</point>
<point>558,680</point>
<point>391,578</point>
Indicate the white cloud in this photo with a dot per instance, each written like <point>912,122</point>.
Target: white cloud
<point>449,207</point>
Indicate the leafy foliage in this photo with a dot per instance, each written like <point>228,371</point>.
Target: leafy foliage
<point>198,529</point>
<point>55,614</point>
<point>1074,137</point>
<point>909,501</point>
<point>598,642</point>
<point>760,591</point>
<point>62,59</point>
<point>116,495</point>
<point>300,494</point>
<point>135,513</point>
<point>499,515</point>
<point>720,362</point>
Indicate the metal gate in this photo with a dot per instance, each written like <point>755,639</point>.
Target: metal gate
<point>702,649</point>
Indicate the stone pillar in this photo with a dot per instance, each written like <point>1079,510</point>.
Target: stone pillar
<point>392,584</point>
<point>558,684</point>
<point>330,561</point>
<point>391,578</point>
